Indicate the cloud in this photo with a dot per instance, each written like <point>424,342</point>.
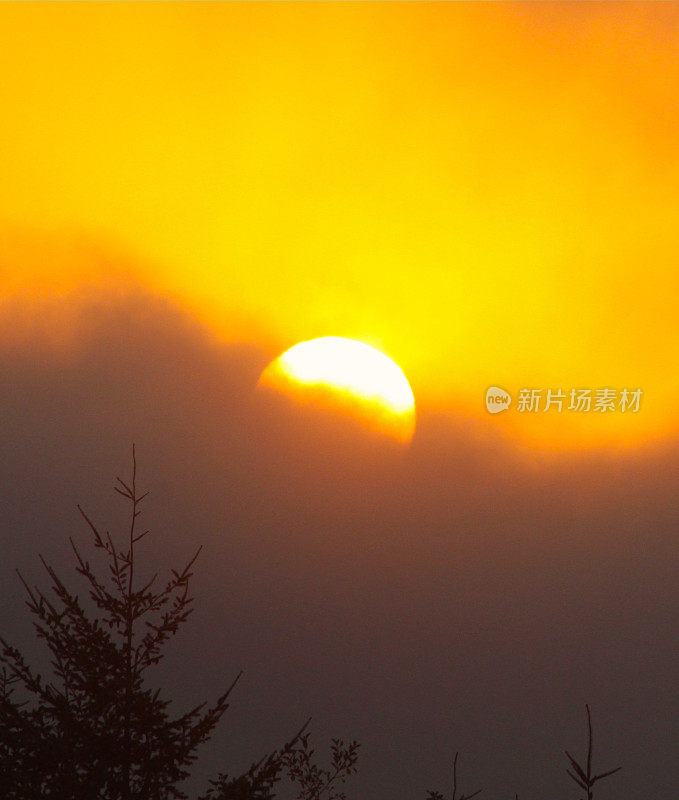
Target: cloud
<point>460,594</point>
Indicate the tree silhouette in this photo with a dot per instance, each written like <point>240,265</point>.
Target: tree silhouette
<point>582,774</point>
<point>431,795</point>
<point>295,759</point>
<point>95,729</point>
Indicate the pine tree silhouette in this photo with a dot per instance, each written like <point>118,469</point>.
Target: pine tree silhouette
<point>95,729</point>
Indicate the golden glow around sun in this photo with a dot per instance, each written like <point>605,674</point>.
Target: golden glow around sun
<point>351,375</point>
<point>439,172</point>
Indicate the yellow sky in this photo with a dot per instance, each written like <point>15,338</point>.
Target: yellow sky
<point>486,192</point>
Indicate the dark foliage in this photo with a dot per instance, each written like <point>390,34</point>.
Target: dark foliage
<point>582,775</point>
<point>94,729</point>
<point>295,760</point>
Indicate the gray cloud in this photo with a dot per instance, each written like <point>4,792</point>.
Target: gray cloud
<point>455,595</point>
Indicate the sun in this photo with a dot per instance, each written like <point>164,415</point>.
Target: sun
<point>348,377</point>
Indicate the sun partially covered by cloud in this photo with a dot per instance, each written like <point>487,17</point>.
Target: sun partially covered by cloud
<point>349,376</point>
<point>486,192</point>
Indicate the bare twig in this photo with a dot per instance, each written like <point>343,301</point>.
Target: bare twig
<point>581,775</point>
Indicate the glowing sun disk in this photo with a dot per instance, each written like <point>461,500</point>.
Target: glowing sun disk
<point>351,366</point>
<point>367,378</point>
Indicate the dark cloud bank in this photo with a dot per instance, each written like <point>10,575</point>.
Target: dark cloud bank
<point>452,596</point>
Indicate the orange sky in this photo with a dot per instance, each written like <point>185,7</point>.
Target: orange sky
<point>486,192</point>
